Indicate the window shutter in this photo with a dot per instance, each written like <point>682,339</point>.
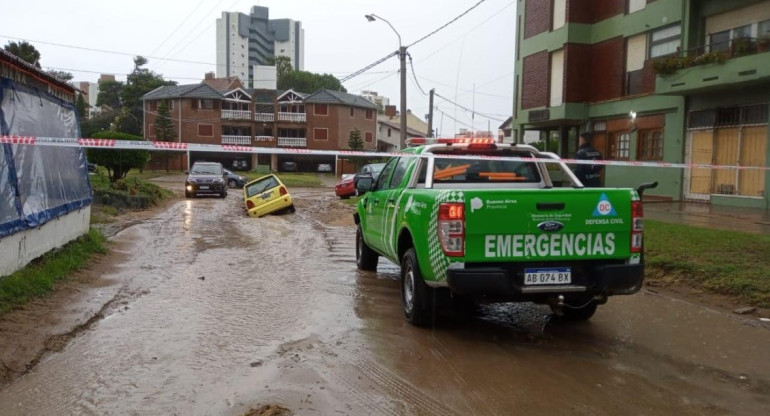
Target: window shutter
<point>559,13</point>
<point>557,78</point>
<point>636,51</point>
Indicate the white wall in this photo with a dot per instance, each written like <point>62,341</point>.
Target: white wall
<point>265,77</point>
<point>17,250</point>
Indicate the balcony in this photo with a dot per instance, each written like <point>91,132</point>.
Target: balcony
<point>292,117</point>
<point>264,138</point>
<point>236,114</point>
<point>292,141</point>
<point>697,71</point>
<point>241,140</point>
<point>264,117</point>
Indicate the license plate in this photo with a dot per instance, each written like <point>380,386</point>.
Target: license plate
<point>266,196</point>
<point>551,276</point>
<point>204,187</point>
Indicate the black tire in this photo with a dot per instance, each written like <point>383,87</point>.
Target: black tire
<point>188,194</point>
<point>579,312</point>
<point>463,307</point>
<point>366,258</point>
<point>345,197</point>
<point>417,298</point>
<point>292,209</point>
<point>223,194</point>
<point>231,184</point>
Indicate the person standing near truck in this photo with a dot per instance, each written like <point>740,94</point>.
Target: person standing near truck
<point>589,175</point>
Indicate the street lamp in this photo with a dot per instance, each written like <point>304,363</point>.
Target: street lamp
<point>402,57</point>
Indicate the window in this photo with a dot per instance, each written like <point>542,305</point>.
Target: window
<point>153,105</point>
<point>559,14</point>
<point>352,112</point>
<point>665,41</point>
<point>320,134</point>
<point>369,114</point>
<point>636,54</point>
<point>620,145</point>
<point>151,130</point>
<point>636,5</point>
<point>557,78</point>
<point>389,131</point>
<point>719,41</point>
<point>763,29</point>
<point>369,137</point>
<point>205,104</point>
<point>399,172</point>
<point>650,145</point>
<point>385,173</point>
<point>485,171</point>
<point>205,130</point>
<point>321,109</point>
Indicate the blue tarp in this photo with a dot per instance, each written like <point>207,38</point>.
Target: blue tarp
<point>38,183</point>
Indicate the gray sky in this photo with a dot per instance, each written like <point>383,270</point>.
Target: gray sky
<point>476,49</point>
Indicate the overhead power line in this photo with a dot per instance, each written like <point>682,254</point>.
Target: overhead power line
<point>178,27</point>
<point>466,108</point>
<point>368,67</point>
<point>446,24</point>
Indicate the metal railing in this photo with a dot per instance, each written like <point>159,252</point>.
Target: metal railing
<point>292,142</point>
<point>236,114</point>
<point>264,138</point>
<point>292,117</point>
<point>264,117</point>
<point>229,139</point>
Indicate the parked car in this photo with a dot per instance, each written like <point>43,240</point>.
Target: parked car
<point>345,188</point>
<point>266,195</point>
<point>324,167</point>
<point>372,169</point>
<point>289,167</point>
<point>234,180</point>
<point>91,167</point>
<point>205,178</point>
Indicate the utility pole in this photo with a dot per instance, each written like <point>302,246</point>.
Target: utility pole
<point>430,113</point>
<point>402,57</point>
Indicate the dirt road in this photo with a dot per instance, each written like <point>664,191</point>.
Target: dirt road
<point>215,313</point>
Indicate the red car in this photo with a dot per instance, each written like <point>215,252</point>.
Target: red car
<point>345,187</point>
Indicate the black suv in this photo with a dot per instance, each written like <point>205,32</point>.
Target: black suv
<point>205,178</point>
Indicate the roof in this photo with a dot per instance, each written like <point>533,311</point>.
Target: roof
<point>183,91</point>
<point>337,97</point>
<point>409,131</point>
<point>506,124</point>
<point>37,73</point>
<point>222,84</point>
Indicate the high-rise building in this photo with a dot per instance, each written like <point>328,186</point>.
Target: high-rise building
<point>247,40</point>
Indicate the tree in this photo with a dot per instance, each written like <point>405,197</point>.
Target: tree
<point>309,82</point>
<point>138,83</point>
<point>62,76</point>
<point>109,95</point>
<point>355,142</point>
<point>164,127</point>
<point>97,123</point>
<point>80,106</point>
<point>282,65</point>
<point>118,162</point>
<point>25,51</point>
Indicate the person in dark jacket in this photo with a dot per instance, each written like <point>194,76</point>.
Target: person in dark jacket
<point>589,175</point>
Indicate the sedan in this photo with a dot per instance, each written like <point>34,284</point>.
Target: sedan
<point>266,195</point>
<point>234,180</point>
<point>345,188</point>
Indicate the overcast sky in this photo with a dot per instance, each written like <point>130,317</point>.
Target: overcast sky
<point>476,49</point>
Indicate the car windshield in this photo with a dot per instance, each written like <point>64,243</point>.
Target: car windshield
<point>261,185</point>
<point>206,170</point>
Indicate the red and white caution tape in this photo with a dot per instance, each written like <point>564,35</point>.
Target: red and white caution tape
<point>198,147</point>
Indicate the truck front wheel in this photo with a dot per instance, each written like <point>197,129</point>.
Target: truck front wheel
<point>416,298</point>
<point>366,258</point>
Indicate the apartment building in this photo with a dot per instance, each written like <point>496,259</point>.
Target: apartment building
<point>654,80</point>
<point>247,41</point>
<point>221,111</point>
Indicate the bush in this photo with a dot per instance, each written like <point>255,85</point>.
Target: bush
<point>136,186</point>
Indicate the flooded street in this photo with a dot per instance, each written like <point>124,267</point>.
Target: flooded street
<point>218,313</point>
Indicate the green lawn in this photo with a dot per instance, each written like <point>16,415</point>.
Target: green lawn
<point>38,278</point>
<point>290,179</point>
<point>725,262</point>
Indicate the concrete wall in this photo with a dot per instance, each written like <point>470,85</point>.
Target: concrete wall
<point>17,250</point>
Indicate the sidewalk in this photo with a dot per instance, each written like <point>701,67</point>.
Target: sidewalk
<point>750,220</point>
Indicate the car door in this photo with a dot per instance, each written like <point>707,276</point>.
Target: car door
<point>390,196</point>
<point>376,205</point>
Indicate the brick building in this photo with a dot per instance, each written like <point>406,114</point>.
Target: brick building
<point>222,111</point>
<point>591,66</point>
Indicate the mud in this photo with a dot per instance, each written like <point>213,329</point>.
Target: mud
<point>211,312</point>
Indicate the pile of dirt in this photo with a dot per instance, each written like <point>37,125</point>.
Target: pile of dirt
<point>269,410</point>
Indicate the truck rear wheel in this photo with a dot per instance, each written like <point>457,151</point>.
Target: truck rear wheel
<point>416,297</point>
<point>366,258</point>
<point>580,312</point>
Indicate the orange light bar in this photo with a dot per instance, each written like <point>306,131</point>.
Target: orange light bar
<point>449,140</point>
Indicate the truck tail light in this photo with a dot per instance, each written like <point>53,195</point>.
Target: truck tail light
<point>451,228</point>
<point>637,226</point>
<point>282,190</point>
<point>249,204</point>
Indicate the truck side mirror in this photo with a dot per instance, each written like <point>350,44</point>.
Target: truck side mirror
<point>364,184</point>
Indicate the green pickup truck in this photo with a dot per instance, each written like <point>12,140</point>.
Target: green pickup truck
<point>469,226</point>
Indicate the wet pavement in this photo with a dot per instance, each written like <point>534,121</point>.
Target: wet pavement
<point>701,214</point>
<point>218,313</point>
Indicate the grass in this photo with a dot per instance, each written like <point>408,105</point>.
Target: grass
<point>290,179</point>
<point>39,277</point>
<point>353,200</point>
<point>724,262</point>
<point>135,182</point>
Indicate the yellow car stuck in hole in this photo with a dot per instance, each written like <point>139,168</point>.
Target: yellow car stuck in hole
<point>266,195</point>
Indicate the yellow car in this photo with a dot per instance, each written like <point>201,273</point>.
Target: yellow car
<point>265,195</point>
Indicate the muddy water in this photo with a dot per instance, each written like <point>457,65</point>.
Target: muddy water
<point>225,312</point>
